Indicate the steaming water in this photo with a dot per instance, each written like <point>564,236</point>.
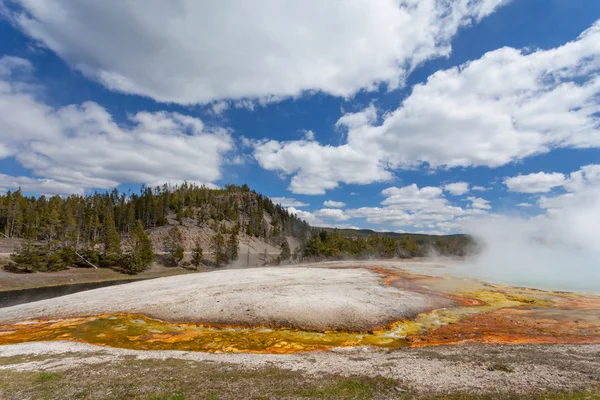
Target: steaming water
<point>558,250</point>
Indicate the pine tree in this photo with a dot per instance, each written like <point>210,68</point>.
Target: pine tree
<point>286,253</point>
<point>197,255</point>
<point>233,247</point>
<point>217,245</point>
<point>111,241</point>
<point>142,252</point>
<point>173,245</point>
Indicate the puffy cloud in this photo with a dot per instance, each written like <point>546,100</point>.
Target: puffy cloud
<point>586,177</point>
<point>288,202</point>
<point>457,188</point>
<point>540,182</point>
<point>415,207</point>
<point>318,168</point>
<point>506,106</point>
<point>479,188</point>
<point>81,146</point>
<point>334,214</point>
<point>479,203</point>
<point>334,204</point>
<point>525,205</point>
<point>34,185</point>
<point>325,219</point>
<point>205,51</point>
<point>309,135</point>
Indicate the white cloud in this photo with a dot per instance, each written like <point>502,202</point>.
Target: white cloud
<point>588,175</point>
<point>505,106</point>
<point>334,204</point>
<point>318,168</point>
<point>479,188</point>
<point>40,186</point>
<point>81,146</point>
<point>309,135</point>
<point>219,107</point>
<point>416,208</point>
<point>323,219</point>
<point>334,214</point>
<point>479,203</point>
<point>524,205</point>
<point>458,188</point>
<point>544,182</point>
<point>288,202</point>
<point>188,51</point>
<point>540,182</point>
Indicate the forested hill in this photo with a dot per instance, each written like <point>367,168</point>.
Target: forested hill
<point>185,225</point>
<point>107,229</point>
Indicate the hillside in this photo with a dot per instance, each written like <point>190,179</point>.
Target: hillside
<point>110,229</point>
<point>185,225</point>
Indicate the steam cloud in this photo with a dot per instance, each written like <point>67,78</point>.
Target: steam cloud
<point>559,250</point>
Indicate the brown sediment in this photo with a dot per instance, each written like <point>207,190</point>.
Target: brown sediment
<point>410,282</point>
<point>511,326</point>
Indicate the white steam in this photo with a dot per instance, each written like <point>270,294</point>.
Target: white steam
<point>559,250</point>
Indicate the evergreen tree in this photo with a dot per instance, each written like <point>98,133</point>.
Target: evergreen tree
<point>233,247</point>
<point>217,245</point>
<point>197,255</point>
<point>111,241</point>
<point>173,245</point>
<point>286,252</point>
<point>142,252</point>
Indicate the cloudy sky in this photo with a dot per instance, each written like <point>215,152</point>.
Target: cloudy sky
<point>400,115</point>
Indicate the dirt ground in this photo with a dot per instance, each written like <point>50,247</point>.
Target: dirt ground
<point>12,281</point>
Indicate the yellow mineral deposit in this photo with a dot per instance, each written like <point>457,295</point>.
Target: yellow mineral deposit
<point>490,314</point>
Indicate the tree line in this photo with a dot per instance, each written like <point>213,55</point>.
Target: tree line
<point>335,245</point>
<point>110,229</point>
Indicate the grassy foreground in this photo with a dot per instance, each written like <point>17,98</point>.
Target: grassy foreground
<point>173,379</point>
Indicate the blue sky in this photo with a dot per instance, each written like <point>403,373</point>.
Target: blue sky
<point>379,105</point>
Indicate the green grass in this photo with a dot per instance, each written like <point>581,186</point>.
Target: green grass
<point>175,379</point>
<point>48,376</point>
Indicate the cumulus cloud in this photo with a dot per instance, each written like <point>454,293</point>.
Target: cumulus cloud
<point>525,205</point>
<point>334,204</point>
<point>508,105</point>
<point>37,185</point>
<point>323,218</point>
<point>540,182</point>
<point>422,208</point>
<point>288,202</point>
<point>317,168</point>
<point>80,146</point>
<point>479,203</point>
<point>334,214</point>
<point>457,188</point>
<point>205,51</point>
